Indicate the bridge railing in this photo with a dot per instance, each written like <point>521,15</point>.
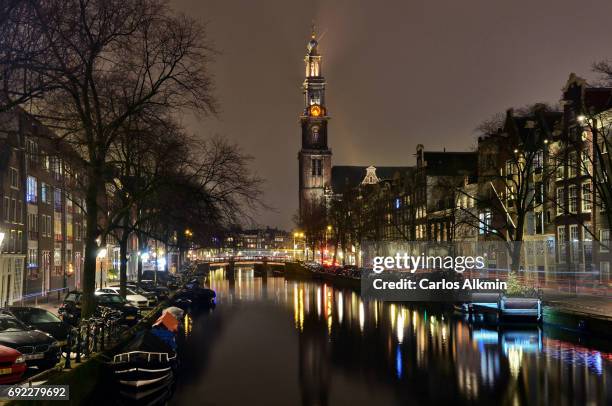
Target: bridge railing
<point>249,258</point>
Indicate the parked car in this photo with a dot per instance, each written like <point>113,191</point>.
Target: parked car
<point>70,310</point>
<point>162,278</point>
<point>38,348</point>
<point>134,298</point>
<point>150,295</point>
<point>162,292</point>
<point>12,365</point>
<point>130,313</point>
<point>40,319</point>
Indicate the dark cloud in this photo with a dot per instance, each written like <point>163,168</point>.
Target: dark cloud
<point>399,73</point>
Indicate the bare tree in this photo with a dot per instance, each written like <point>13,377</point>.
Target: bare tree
<point>106,61</point>
<point>20,44</point>
<point>513,179</point>
<point>313,221</point>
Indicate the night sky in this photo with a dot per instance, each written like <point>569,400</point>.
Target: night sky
<point>399,73</point>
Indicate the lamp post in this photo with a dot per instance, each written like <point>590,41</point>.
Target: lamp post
<point>295,235</point>
<point>101,256</point>
<point>327,234</point>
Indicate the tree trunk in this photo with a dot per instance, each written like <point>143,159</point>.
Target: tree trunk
<point>167,257</point>
<point>91,248</point>
<point>142,246</point>
<point>123,247</point>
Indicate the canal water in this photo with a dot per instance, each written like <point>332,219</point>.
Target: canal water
<point>273,341</point>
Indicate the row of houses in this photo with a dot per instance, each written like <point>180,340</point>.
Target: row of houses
<point>42,224</point>
<point>534,180</point>
<point>267,239</point>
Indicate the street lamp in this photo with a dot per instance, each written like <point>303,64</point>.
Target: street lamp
<point>101,256</point>
<point>327,235</point>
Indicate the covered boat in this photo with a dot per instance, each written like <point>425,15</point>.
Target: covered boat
<point>195,298</point>
<point>175,311</point>
<point>147,361</point>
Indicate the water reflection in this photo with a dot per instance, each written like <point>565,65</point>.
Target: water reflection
<point>380,353</point>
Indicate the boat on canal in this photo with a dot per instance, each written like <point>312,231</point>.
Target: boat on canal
<point>504,308</point>
<point>195,297</point>
<point>147,360</point>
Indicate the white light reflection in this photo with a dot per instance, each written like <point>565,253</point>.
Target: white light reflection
<point>361,316</point>
<point>319,302</point>
<point>340,307</point>
<point>400,327</point>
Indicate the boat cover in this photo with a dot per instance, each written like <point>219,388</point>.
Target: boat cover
<point>175,311</point>
<point>167,336</point>
<point>167,320</point>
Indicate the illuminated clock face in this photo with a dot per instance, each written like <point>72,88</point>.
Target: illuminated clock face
<point>315,110</point>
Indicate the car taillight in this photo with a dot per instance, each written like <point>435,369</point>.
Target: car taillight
<point>19,360</point>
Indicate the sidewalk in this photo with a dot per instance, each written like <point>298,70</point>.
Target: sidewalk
<point>50,303</point>
<point>596,306</point>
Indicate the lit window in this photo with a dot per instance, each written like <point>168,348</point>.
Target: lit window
<point>585,166</point>
<point>317,167</point>
<point>587,201</point>
<point>58,199</point>
<point>573,198</point>
<point>572,164</point>
<point>14,173</point>
<point>538,160</point>
<point>604,240</point>
<point>574,232</point>
<point>561,243</point>
<point>559,200</point>
<point>32,190</point>
<point>485,222</point>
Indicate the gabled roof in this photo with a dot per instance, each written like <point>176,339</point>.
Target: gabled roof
<point>594,98</point>
<point>346,177</point>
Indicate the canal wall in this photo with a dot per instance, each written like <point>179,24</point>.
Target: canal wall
<point>298,271</point>
<point>577,321</point>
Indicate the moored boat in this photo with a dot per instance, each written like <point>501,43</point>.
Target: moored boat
<point>147,360</point>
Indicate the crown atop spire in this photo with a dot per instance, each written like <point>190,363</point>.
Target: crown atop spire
<point>312,44</point>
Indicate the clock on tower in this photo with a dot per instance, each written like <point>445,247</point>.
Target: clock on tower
<point>315,156</point>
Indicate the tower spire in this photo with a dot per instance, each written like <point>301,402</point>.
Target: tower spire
<point>315,156</point>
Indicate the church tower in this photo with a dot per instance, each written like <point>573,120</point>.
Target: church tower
<point>315,156</point>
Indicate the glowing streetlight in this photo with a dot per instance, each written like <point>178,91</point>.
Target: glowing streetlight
<point>101,256</point>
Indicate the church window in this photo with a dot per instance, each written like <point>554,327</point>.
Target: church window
<point>317,167</point>
<point>315,134</point>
